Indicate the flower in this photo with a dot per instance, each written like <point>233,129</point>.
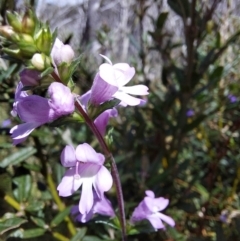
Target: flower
<point>190,113</point>
<point>30,77</point>
<point>102,120</point>
<point>149,209</point>
<point>86,169</point>
<point>102,206</point>
<point>110,83</point>
<point>232,98</point>
<point>61,53</point>
<point>35,110</point>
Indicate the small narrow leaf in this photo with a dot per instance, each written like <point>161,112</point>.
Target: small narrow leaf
<point>80,234</point>
<point>10,223</point>
<point>60,217</point>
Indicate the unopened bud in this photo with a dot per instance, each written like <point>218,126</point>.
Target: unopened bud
<point>61,53</point>
<point>40,61</point>
<point>8,32</point>
<point>30,77</point>
<point>15,21</point>
<point>12,52</point>
<point>64,72</point>
<point>43,40</point>
<point>26,44</point>
<point>28,23</point>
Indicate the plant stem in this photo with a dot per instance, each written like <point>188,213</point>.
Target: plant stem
<point>115,173</point>
<point>59,236</point>
<point>12,202</point>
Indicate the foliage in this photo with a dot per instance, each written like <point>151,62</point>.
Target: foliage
<point>192,159</point>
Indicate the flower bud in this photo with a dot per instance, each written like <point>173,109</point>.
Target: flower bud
<point>28,23</point>
<point>16,53</point>
<point>43,40</point>
<point>15,21</point>
<point>40,61</point>
<point>26,44</point>
<point>30,77</point>
<point>61,53</point>
<point>9,33</point>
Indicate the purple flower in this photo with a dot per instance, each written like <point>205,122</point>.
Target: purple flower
<point>30,77</point>
<point>102,120</point>
<point>232,98</point>
<point>86,169</point>
<point>149,209</point>
<point>61,53</point>
<point>190,113</point>
<point>110,83</point>
<point>101,206</point>
<point>6,123</point>
<point>35,110</point>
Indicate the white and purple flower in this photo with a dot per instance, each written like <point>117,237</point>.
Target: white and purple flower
<point>86,169</point>
<point>110,83</point>
<point>35,110</point>
<point>150,209</point>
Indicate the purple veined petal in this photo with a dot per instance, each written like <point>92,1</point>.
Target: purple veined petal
<point>104,207</point>
<point>85,153</point>
<point>68,158</point>
<point>83,218</point>
<point>107,73</point>
<point>106,58</point>
<point>103,181</point>
<point>123,73</point>
<point>140,212</point>
<point>102,120</point>
<point>150,193</point>
<point>160,203</point>
<point>149,202</point>
<point>155,221</point>
<point>20,132</point>
<point>19,93</point>
<point>33,108</point>
<point>69,183</point>
<point>127,99</point>
<point>166,219</point>
<point>135,90</point>
<point>101,90</point>
<point>86,200</point>
<point>85,98</point>
<point>61,99</point>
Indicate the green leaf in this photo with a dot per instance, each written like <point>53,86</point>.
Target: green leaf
<point>6,183</point>
<point>180,7</point>
<point>47,71</point>
<point>18,157</point>
<point>10,223</point>
<point>60,217</point>
<point>24,184</point>
<point>80,234</point>
<point>34,205</point>
<point>161,20</point>
<point>29,233</point>
<point>94,112</point>
<point>39,222</point>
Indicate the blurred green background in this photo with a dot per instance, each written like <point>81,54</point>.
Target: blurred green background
<point>183,144</point>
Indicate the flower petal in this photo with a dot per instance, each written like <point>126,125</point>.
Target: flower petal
<point>150,193</point>
<point>102,120</point>
<point>105,57</point>
<point>135,90</point>
<point>127,99</point>
<point>166,219</point>
<point>107,73</point>
<point>104,207</point>
<point>68,158</point>
<point>101,91</point>
<point>86,200</point>
<point>61,99</point>
<point>161,203</point>
<point>20,132</point>
<point>85,153</point>
<point>69,183</point>
<point>155,221</point>
<point>103,181</point>
<point>33,108</point>
<point>123,73</point>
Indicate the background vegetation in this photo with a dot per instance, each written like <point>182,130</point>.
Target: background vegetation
<point>183,144</point>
